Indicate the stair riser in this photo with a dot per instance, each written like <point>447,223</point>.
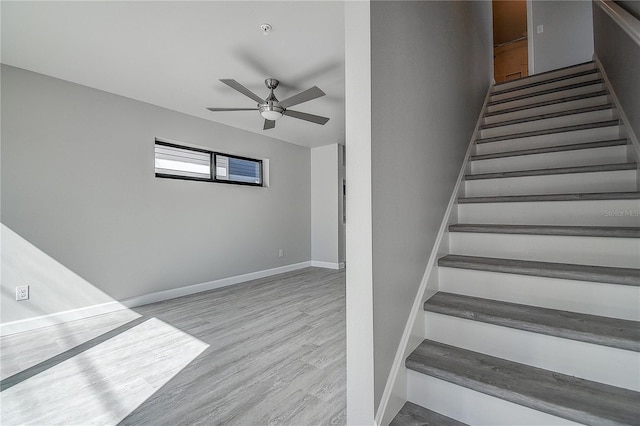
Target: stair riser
<point>532,112</point>
<point>579,213</point>
<point>554,139</point>
<point>582,157</point>
<point>546,86</point>
<point>610,300</point>
<point>472,407</point>
<point>549,123</point>
<point>619,252</point>
<point>547,97</point>
<point>619,180</point>
<point>545,76</point>
<point>603,364</point>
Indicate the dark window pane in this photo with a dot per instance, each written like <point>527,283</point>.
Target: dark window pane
<point>241,170</point>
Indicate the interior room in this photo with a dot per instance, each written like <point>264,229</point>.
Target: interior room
<point>320,212</point>
<point>119,195</point>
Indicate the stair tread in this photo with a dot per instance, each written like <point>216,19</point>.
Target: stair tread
<point>547,115</point>
<point>565,396</point>
<point>549,149</point>
<point>547,81</point>
<point>579,231</point>
<point>547,103</point>
<point>554,171</point>
<point>528,77</point>
<point>589,196</point>
<point>563,129</point>
<point>415,415</point>
<point>569,271</point>
<point>547,91</point>
<point>605,331</point>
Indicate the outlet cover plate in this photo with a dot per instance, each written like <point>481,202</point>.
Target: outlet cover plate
<point>22,292</point>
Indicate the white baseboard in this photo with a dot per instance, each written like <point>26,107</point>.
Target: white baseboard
<point>211,285</point>
<point>395,391</point>
<point>33,323</point>
<point>328,265</point>
<point>103,308</point>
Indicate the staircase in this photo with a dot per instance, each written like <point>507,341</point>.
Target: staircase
<point>537,317</point>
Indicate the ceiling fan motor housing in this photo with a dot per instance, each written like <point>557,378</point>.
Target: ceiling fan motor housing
<point>271,109</point>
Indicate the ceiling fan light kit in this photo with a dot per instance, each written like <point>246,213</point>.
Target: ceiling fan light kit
<point>271,113</point>
<point>271,108</point>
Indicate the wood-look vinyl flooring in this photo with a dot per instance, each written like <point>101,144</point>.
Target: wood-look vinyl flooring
<point>104,383</point>
<point>275,355</point>
<point>21,352</point>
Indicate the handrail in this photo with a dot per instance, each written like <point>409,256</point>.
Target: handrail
<point>510,41</point>
<point>624,19</point>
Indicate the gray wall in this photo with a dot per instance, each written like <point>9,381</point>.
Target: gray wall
<point>568,34</point>
<point>620,57</point>
<point>325,199</point>
<point>342,228</point>
<point>78,184</point>
<point>431,69</point>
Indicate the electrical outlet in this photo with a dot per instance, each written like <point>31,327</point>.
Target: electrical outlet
<point>280,253</point>
<point>540,29</point>
<point>22,292</point>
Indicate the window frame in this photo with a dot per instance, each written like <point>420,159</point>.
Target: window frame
<point>188,148</point>
<point>212,166</point>
<point>238,157</point>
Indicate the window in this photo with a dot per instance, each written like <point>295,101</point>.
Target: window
<point>182,162</point>
<point>173,161</point>
<point>238,170</point>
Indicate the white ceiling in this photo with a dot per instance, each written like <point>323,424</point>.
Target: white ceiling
<point>172,54</point>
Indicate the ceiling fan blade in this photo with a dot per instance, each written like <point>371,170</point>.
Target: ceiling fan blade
<point>301,97</point>
<point>305,116</point>
<point>269,124</point>
<point>232,109</point>
<point>240,88</point>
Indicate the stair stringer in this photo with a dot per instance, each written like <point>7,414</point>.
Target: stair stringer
<point>395,392</point>
<point>632,138</point>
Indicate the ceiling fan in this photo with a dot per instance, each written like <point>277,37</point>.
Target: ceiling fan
<point>271,108</point>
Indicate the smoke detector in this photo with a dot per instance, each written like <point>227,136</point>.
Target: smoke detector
<point>266,28</point>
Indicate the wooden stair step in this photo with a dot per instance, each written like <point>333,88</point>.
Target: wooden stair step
<point>575,231</point>
<point>415,415</point>
<point>567,271</point>
<point>579,400</point>
<point>547,92</point>
<point>547,103</point>
<point>605,331</point>
<point>543,82</point>
<point>550,149</point>
<point>563,129</point>
<point>552,197</point>
<point>554,171</point>
<point>546,116</point>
